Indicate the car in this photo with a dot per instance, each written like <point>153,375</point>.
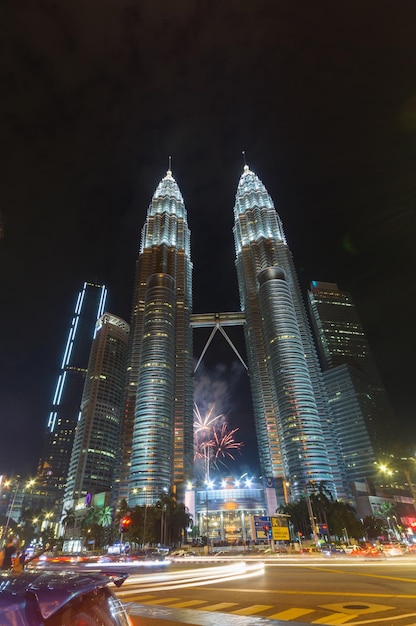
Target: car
<point>372,551</point>
<point>353,550</point>
<point>331,549</point>
<point>309,550</point>
<point>392,549</point>
<point>64,598</point>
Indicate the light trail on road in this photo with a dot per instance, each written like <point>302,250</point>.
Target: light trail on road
<point>190,578</point>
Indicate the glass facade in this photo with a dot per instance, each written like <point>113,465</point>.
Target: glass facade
<point>97,437</point>
<point>159,409</point>
<point>222,510</point>
<point>65,409</point>
<point>289,401</point>
<point>363,417</point>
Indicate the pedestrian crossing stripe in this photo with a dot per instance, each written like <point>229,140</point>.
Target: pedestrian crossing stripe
<point>186,604</point>
<point>339,613</point>
<point>290,614</point>
<point>252,609</point>
<point>218,607</point>
<point>161,601</point>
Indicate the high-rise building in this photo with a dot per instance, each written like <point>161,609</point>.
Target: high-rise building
<point>293,425</point>
<point>97,437</point>
<point>290,408</point>
<point>63,417</point>
<point>362,412</point>
<point>159,408</point>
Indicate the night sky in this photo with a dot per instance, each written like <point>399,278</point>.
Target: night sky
<point>97,94</point>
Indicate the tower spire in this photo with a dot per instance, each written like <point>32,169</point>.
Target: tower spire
<point>170,165</point>
<point>246,168</point>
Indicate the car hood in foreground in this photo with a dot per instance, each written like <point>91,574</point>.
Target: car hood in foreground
<point>49,590</point>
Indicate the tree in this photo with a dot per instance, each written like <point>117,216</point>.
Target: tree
<point>338,516</point>
<point>342,518</point>
<point>321,499</point>
<point>68,519</point>
<point>373,526</point>
<point>96,525</point>
<point>387,509</point>
<point>299,516</point>
<point>105,516</point>
<point>26,525</point>
<point>47,536</point>
<point>123,510</point>
<point>92,517</point>
<point>174,518</point>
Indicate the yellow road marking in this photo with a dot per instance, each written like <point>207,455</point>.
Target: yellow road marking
<point>334,619</point>
<point>338,571</point>
<point>291,614</point>
<point>161,601</point>
<point>185,603</point>
<point>352,594</point>
<point>254,608</point>
<point>341,607</point>
<point>219,606</point>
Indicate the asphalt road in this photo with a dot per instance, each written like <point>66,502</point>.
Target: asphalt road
<point>328,591</point>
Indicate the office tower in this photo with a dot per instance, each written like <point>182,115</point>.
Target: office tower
<point>97,437</point>
<point>159,407</point>
<point>63,417</point>
<point>289,402</point>
<point>359,404</point>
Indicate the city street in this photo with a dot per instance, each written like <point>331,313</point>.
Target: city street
<point>307,590</point>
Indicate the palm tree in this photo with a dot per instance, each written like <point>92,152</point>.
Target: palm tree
<point>68,519</point>
<point>175,518</point>
<point>91,517</point>
<point>322,497</point>
<point>105,516</point>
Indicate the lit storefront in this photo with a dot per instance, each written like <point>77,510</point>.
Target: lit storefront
<point>222,509</point>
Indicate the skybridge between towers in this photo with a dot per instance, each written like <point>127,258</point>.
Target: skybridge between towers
<point>217,321</point>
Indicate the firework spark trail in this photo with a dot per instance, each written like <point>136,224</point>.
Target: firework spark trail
<point>202,449</point>
<point>225,443</point>
<point>203,430</point>
<point>213,441</point>
<point>204,423</point>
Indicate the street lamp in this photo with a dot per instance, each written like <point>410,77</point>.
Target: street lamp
<point>29,484</point>
<point>11,507</point>
<point>145,515</point>
<point>404,468</point>
<point>237,480</point>
<point>311,516</point>
<point>208,485</point>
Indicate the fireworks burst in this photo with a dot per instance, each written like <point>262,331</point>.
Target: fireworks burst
<point>224,444</point>
<point>204,424</point>
<point>213,441</point>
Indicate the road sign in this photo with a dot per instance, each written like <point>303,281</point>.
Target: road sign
<point>259,523</point>
<point>280,529</point>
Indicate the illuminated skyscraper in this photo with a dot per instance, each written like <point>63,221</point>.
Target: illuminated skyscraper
<point>97,437</point>
<point>63,417</point>
<point>363,416</point>
<point>289,402</point>
<point>159,409</point>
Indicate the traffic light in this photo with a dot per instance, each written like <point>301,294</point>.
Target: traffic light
<point>125,523</point>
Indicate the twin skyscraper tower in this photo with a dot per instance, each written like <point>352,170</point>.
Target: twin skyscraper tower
<point>291,416</point>
<point>154,449</point>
